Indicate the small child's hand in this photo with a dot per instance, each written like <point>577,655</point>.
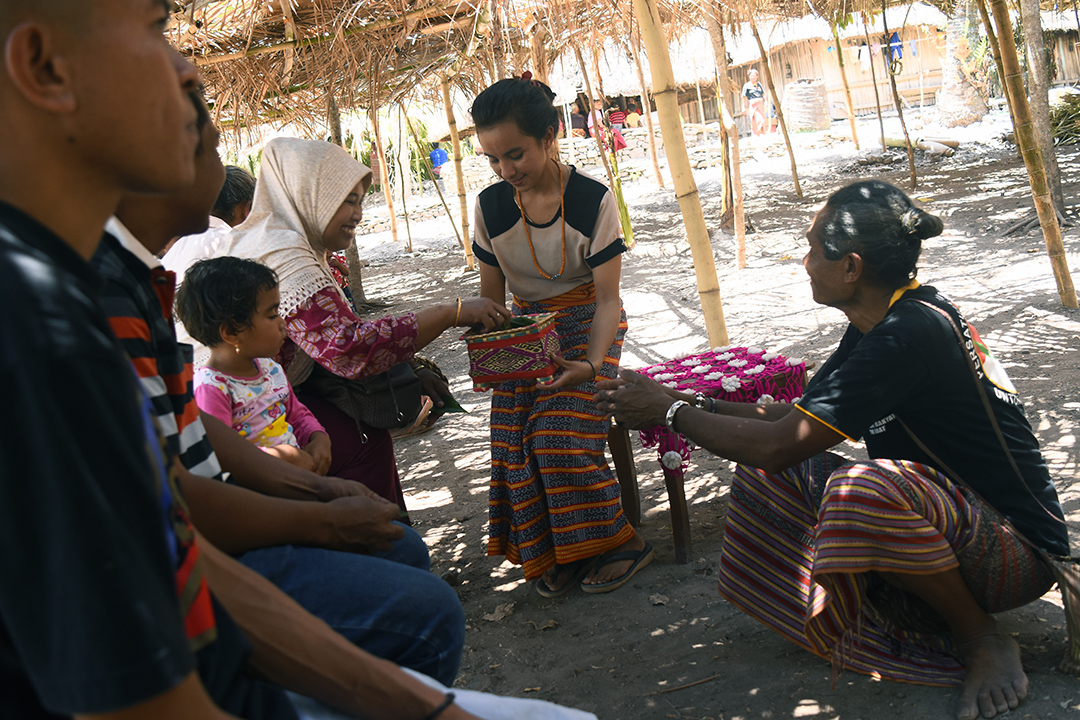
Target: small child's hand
<point>319,448</point>
<point>292,455</point>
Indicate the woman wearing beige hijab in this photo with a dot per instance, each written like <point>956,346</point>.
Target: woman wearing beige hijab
<point>308,201</point>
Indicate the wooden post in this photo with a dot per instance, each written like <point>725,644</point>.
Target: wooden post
<point>776,104</point>
<point>455,141</point>
<point>1025,138</point>
<point>598,124</point>
<point>427,163</point>
<point>646,112</point>
<point>995,48</point>
<point>404,172</point>
<point>847,87</point>
<point>728,121</point>
<point>567,123</point>
<point>701,114</point>
<point>686,191</point>
<point>886,55</point>
<point>498,49</point>
<point>873,78</point>
<point>384,172</point>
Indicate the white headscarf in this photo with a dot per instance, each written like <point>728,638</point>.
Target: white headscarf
<point>301,185</point>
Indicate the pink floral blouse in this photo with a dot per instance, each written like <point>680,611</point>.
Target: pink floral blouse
<point>327,329</point>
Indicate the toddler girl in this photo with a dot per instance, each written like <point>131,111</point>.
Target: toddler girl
<point>231,306</point>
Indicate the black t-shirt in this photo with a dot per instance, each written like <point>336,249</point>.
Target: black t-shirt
<point>93,539</point>
<point>911,366</point>
<point>753,91</point>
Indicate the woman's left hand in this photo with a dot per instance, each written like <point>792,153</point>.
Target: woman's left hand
<point>572,372</point>
<point>432,385</point>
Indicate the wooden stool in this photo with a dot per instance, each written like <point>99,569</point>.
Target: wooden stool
<point>622,454</point>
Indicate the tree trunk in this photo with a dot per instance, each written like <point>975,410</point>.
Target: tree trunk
<point>686,192</point>
<point>498,48</point>
<point>959,103</point>
<point>847,87</point>
<point>646,112</point>
<point>333,119</point>
<point>776,104</point>
<point>404,167</point>
<point>455,141</point>
<point>887,56</point>
<point>727,121</point>
<point>1025,138</point>
<point>1039,96</point>
<point>598,126</point>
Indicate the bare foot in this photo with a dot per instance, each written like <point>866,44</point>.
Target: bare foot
<point>995,681</point>
<point>606,573</point>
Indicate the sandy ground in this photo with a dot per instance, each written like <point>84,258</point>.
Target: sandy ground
<point>666,645</point>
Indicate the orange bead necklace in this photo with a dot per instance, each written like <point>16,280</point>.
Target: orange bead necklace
<point>528,236</point>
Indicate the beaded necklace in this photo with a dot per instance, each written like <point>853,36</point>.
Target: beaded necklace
<point>528,236</point>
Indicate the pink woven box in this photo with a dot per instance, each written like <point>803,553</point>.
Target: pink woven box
<point>519,352</point>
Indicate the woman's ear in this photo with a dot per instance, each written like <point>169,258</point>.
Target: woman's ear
<point>853,267</point>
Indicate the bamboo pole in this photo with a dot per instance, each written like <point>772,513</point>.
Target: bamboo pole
<point>686,191</point>
<point>384,173</point>
<point>701,115</point>
<point>995,49</point>
<point>886,54</point>
<point>598,123</point>
<point>568,123</point>
<point>646,112</point>
<point>776,104</point>
<point>455,141</point>
<point>404,171</point>
<point>725,91</point>
<point>847,86</point>
<point>427,163</point>
<point>873,79</point>
<point>1025,138</point>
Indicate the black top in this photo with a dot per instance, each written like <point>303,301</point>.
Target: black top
<point>93,538</point>
<point>911,365</point>
<point>753,91</point>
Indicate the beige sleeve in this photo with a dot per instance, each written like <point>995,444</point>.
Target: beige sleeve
<point>480,231</point>
<point>608,227</point>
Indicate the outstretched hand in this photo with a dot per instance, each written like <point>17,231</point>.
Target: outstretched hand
<point>482,311</point>
<point>635,400</point>
<point>571,373</point>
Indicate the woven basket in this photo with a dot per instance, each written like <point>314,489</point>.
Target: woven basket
<point>521,352</point>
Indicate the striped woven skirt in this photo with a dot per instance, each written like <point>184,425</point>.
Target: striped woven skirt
<point>553,497</point>
<point>801,549</point>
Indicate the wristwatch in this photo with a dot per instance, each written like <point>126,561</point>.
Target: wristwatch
<point>669,420</point>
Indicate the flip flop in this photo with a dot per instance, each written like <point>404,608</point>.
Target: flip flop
<point>641,558</point>
<point>577,569</point>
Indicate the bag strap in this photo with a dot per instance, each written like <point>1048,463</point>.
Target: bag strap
<point>969,354</point>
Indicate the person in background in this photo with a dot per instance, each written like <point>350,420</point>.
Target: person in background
<point>438,158</point>
<point>596,117</point>
<point>633,117</point>
<point>753,95</point>
<point>616,117</point>
<point>234,202</point>
<point>578,125</point>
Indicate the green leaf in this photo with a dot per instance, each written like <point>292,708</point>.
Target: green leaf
<point>450,405</point>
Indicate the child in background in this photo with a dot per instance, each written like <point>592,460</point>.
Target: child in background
<point>231,306</point>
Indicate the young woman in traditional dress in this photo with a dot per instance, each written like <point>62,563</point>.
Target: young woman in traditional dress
<point>552,235</point>
<point>886,567</point>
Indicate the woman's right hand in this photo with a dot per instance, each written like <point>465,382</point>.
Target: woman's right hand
<point>482,311</point>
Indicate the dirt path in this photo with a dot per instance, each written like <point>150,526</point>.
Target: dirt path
<point>627,654</point>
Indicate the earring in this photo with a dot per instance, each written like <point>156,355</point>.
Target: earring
<point>237,348</point>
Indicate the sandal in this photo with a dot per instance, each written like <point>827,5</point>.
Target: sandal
<point>423,422</point>
<point>577,570</point>
<point>641,558</point>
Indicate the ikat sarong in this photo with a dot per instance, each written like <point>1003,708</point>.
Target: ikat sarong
<point>553,497</point>
<point>801,549</point>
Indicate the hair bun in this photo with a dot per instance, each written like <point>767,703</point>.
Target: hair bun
<point>921,224</point>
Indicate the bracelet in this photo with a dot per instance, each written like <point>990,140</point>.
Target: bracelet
<point>712,405</point>
<point>457,316</point>
<point>669,420</point>
<point>592,366</point>
<point>439,710</point>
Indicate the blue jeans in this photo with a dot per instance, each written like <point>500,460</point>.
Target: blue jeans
<point>389,604</point>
